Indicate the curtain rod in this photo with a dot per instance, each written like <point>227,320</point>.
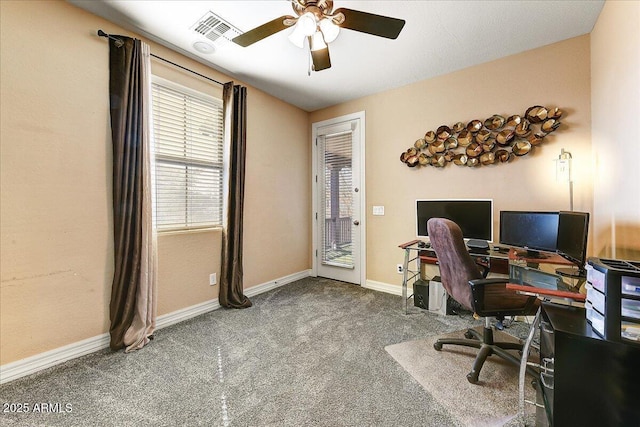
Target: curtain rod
<point>120,43</point>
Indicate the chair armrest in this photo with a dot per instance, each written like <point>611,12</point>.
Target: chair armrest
<point>491,281</point>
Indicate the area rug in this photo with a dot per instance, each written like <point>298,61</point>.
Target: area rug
<point>493,401</point>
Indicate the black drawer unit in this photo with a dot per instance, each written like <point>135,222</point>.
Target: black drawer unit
<point>585,380</point>
<point>613,299</point>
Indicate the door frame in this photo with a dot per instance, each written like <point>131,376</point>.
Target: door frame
<point>360,115</point>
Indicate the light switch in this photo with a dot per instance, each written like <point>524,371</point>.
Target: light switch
<point>378,210</point>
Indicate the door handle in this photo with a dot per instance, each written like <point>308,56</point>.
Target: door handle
<point>356,222</point>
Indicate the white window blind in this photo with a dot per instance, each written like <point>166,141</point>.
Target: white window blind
<point>188,132</point>
<point>337,203</point>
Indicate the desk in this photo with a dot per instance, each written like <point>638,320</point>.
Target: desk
<point>567,298</point>
<point>576,276</point>
<point>592,381</point>
<point>498,259</point>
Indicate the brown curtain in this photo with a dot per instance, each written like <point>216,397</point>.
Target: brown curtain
<point>132,308</point>
<point>235,118</point>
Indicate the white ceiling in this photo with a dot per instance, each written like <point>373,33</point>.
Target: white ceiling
<point>439,37</point>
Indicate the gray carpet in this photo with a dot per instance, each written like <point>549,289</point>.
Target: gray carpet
<point>311,353</point>
<point>493,401</point>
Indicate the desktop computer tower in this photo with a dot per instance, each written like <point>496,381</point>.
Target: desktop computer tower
<point>439,299</point>
<point>432,296</point>
<point>421,294</point>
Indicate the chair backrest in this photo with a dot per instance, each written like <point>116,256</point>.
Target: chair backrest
<point>456,265</point>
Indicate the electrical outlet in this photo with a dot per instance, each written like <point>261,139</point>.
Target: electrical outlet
<point>399,268</point>
<point>212,279</point>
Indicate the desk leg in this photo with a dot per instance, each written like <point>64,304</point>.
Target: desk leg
<point>405,275</point>
<point>523,366</point>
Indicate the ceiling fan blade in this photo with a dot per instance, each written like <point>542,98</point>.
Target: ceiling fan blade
<point>263,31</point>
<point>377,25</point>
<point>321,60</point>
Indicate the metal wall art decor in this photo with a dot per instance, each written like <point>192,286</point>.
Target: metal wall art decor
<point>494,140</point>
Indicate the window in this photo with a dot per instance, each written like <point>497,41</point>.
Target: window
<point>188,138</point>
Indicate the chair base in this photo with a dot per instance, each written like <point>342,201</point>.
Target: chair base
<point>487,346</point>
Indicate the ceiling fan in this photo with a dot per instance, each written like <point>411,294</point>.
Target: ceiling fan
<point>320,24</point>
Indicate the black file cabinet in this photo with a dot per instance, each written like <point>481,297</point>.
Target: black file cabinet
<point>585,379</point>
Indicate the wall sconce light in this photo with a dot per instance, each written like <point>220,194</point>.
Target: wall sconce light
<point>563,172</point>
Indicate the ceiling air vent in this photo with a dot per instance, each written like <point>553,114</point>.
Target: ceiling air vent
<point>215,28</point>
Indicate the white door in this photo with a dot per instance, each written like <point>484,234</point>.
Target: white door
<point>338,197</point>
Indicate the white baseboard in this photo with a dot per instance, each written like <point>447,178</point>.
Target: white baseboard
<point>383,287</point>
<point>267,286</point>
<point>30,365</point>
<point>33,364</point>
<point>186,313</point>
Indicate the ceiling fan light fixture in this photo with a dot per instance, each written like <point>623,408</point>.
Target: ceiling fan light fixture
<point>329,29</point>
<point>317,21</point>
<point>307,24</point>
<point>317,41</point>
<point>297,37</point>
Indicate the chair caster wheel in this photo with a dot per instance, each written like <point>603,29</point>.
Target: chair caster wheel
<point>437,346</point>
<point>468,335</point>
<point>472,377</point>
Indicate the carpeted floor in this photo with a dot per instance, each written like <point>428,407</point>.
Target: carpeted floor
<point>311,353</point>
<point>491,402</point>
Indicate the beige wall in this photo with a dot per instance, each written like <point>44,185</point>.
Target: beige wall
<point>56,223</point>
<point>555,75</point>
<point>615,106</point>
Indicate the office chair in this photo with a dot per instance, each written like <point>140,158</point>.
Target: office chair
<point>464,282</point>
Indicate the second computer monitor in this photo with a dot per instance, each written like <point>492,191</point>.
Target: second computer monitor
<point>573,229</point>
<point>537,231</point>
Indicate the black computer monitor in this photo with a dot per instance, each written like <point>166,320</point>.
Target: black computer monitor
<point>573,229</point>
<point>534,231</point>
<point>474,216</point>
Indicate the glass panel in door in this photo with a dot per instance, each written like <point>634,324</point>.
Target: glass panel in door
<point>337,200</point>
